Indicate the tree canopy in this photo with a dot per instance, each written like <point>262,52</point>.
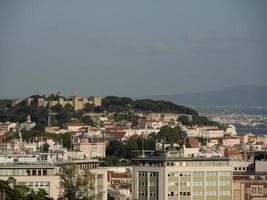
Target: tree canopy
<point>76,184</point>
<point>122,104</point>
<point>197,120</point>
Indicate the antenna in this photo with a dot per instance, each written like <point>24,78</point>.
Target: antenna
<point>142,150</point>
<point>20,140</point>
<point>49,123</point>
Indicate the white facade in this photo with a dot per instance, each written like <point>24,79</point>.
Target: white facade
<point>205,132</point>
<point>173,179</point>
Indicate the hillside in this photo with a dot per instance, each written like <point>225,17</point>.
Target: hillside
<point>231,96</point>
<point>120,104</point>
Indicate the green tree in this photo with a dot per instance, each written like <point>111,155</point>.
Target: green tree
<point>172,135</point>
<point>184,120</point>
<point>69,107</point>
<point>63,117</point>
<point>45,148</point>
<point>76,184</point>
<point>88,107</point>
<point>57,108</point>
<point>88,120</point>
<point>78,114</point>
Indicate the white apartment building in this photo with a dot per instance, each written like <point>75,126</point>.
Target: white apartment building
<point>145,132</point>
<point>32,171</point>
<point>172,178</point>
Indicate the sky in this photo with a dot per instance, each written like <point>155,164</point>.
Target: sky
<point>130,48</point>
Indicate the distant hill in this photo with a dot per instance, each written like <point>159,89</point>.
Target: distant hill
<point>121,104</point>
<point>230,96</point>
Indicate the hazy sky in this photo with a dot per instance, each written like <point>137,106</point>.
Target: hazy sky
<point>130,48</point>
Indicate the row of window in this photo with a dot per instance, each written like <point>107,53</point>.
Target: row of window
<point>201,183</point>
<point>244,168</point>
<point>22,172</point>
<point>199,173</point>
<point>35,184</point>
<point>152,194</point>
<point>141,183</point>
<point>211,174</point>
<point>142,174</point>
<point>172,194</point>
<point>99,176</point>
<point>150,174</point>
<point>201,193</point>
<point>34,172</point>
<point>185,183</point>
<point>198,193</point>
<point>198,163</point>
<point>212,193</point>
<point>225,173</point>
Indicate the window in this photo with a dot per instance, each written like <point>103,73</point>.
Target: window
<point>39,172</point>
<point>28,172</point>
<point>34,172</point>
<point>45,172</point>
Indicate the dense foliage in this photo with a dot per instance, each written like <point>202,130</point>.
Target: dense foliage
<point>122,104</point>
<point>76,184</point>
<point>129,117</point>
<point>196,120</point>
<point>20,112</point>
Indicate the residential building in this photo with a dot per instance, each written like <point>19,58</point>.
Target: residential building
<point>204,131</point>
<point>231,130</point>
<point>250,180</point>
<point>90,147</point>
<point>39,171</point>
<point>27,170</point>
<point>75,127</point>
<point>157,176</point>
<point>231,141</point>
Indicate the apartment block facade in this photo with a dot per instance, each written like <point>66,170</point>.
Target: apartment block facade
<point>158,178</point>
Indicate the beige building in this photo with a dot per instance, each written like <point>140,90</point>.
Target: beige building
<point>42,174</point>
<point>77,102</point>
<point>90,148</point>
<point>36,175</point>
<point>160,177</point>
<point>164,117</point>
<point>205,132</point>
